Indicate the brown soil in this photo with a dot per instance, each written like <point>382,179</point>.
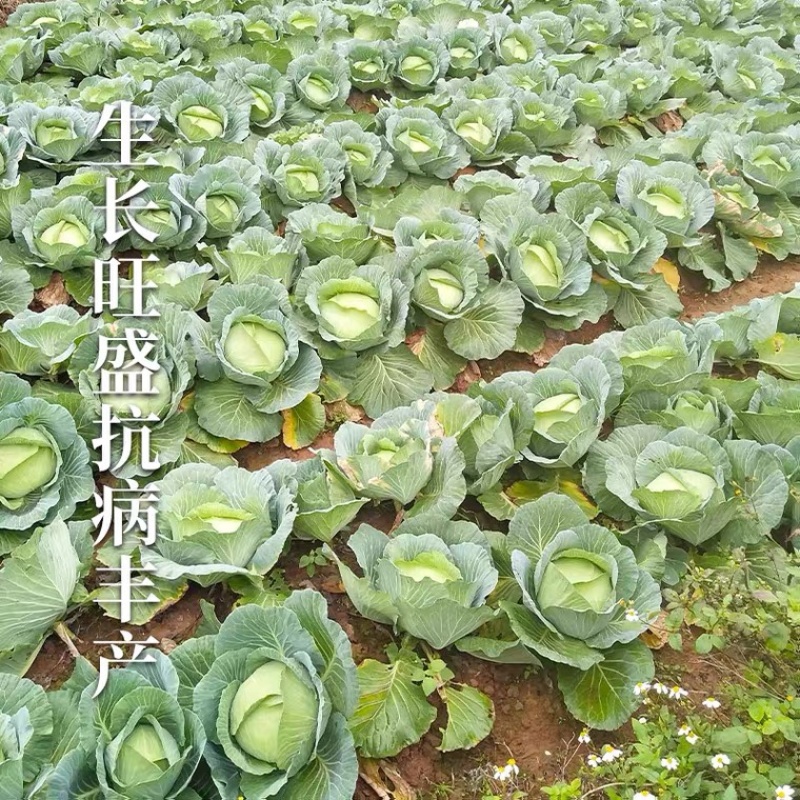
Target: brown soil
<point>770,277</point>
<point>532,724</point>
<point>7,6</point>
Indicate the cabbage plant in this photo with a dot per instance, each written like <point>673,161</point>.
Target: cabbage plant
<point>356,317</point>
<point>368,159</point>
<point>597,103</point>
<point>622,248</point>
<point>485,129</point>
<point>21,57</point>
<point>12,149</point>
<point>772,413</point>
<point>274,689</point>
<point>310,171</point>
<point>672,197</point>
<point>214,524</point>
<point>326,232</point>
<point>486,184</point>
<point>452,286</point>
<point>258,251</point>
<point>26,728</point>
<point>252,362</point>
<point>771,162</point>
<point>41,583</point>
<point>421,62</point>
<point>743,74</point>
<point>44,464</point>
<point>570,399</point>
<point>421,143</point>
<point>136,740</point>
<point>41,342</point>
<point>60,234</point>
<point>431,578</point>
<point>402,458</point>
<point>664,355</point>
<point>687,483</point>
<point>56,134</point>
<point>546,256</point>
<point>703,410</point>
<point>165,220</point>
<point>492,430</point>
<point>14,187</point>
<point>87,53</point>
<point>371,63</point>
<point>202,33</point>
<point>585,601</point>
<point>320,81</point>
<point>326,503</point>
<point>200,112</point>
<point>225,194</point>
<point>546,118</point>
<point>262,86</point>
<point>515,43</point>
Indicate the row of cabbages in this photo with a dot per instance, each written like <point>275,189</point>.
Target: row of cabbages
<point>333,305</point>
<point>654,373</point>
<point>692,460</point>
<point>257,709</point>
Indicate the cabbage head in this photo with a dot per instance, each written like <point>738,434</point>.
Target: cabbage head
<point>274,689</point>
<point>687,483</point>
<point>584,602</point>
<point>431,578</point>
<point>214,524</point>
<point>44,463</point>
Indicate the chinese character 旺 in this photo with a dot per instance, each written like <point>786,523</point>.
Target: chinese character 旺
<point>126,585</point>
<point>107,288</point>
<point>124,509</point>
<point>125,364</point>
<point>121,113</point>
<point>105,442</point>
<point>118,651</point>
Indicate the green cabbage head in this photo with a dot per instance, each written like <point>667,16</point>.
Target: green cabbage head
<point>44,464</point>
<point>430,579</point>
<point>274,691</point>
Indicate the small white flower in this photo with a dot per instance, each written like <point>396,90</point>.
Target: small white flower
<point>641,688</point>
<point>632,615</point>
<point>642,720</point>
<point>593,761</point>
<point>677,693</point>
<point>644,795</point>
<point>712,703</point>
<point>692,738</point>
<point>720,761</point>
<point>684,730</point>
<point>660,688</point>
<point>512,767</point>
<point>609,754</point>
<point>499,774</point>
<point>670,764</point>
<point>584,738</point>
<point>784,793</point>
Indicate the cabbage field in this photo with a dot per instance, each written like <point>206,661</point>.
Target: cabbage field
<point>400,400</point>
